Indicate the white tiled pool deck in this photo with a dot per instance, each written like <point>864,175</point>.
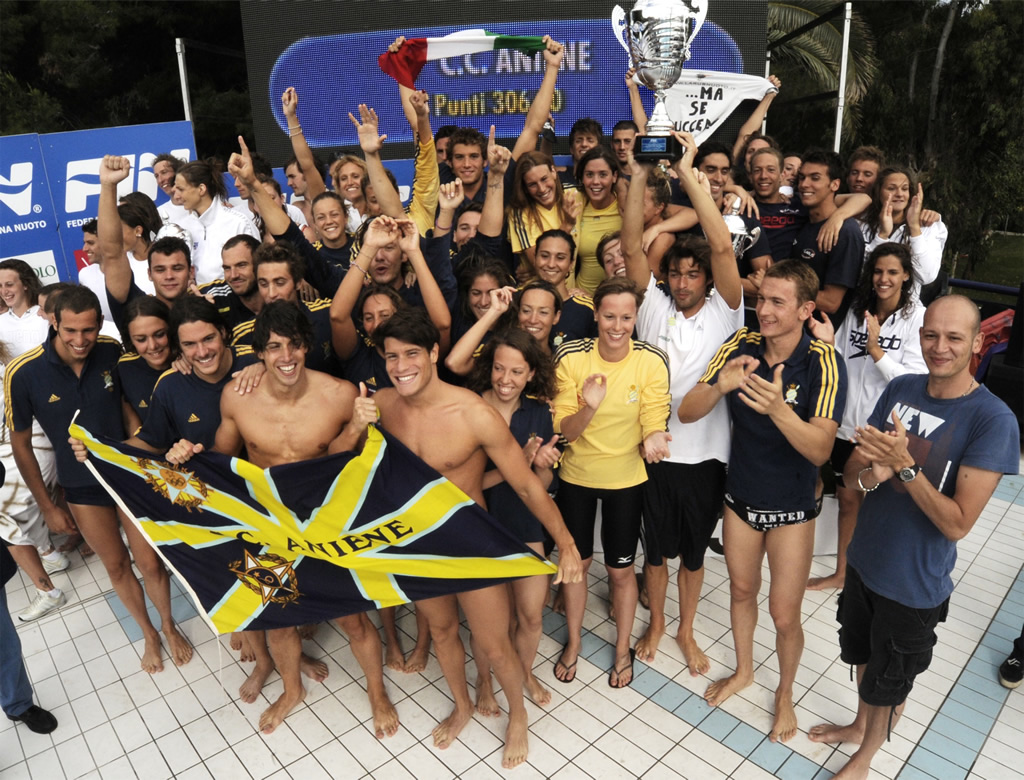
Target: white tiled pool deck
<point>117,721</point>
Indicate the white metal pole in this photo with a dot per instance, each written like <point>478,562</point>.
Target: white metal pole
<point>179,47</point>
<point>847,14</point>
<point>767,73</point>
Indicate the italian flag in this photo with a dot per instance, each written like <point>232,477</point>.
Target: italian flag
<point>405,65</point>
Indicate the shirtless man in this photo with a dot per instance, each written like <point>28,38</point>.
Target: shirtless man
<point>272,424</point>
<point>415,410</point>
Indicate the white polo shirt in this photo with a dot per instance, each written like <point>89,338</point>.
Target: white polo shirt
<point>690,344</point>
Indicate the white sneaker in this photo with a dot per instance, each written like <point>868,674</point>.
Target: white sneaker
<point>42,605</point>
<point>63,563</point>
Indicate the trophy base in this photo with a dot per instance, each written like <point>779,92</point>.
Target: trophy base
<point>653,148</point>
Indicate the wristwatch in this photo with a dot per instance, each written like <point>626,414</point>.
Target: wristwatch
<point>907,474</point>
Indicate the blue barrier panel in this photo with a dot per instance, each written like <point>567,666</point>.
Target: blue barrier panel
<point>28,223</point>
<point>73,163</point>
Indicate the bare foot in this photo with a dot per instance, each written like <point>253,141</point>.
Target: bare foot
<point>486,704</point>
<point>695,658</point>
<point>720,690</point>
<point>178,646</point>
<point>830,734</point>
<point>448,729</point>
<point>248,653</point>
<point>252,686</point>
<point>385,717</point>
<point>826,583</point>
<point>784,727</point>
<point>236,642</point>
<point>558,601</point>
<point>394,658</point>
<point>539,695</point>
<point>516,742</point>
<point>275,714</point>
<point>152,657</point>
<point>647,645</point>
<point>417,660</point>
<point>85,550</point>
<point>313,669</point>
<point>308,631</point>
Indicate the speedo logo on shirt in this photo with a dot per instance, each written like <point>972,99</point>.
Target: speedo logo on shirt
<point>192,418</point>
<point>859,341</point>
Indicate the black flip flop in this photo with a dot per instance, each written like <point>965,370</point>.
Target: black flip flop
<point>568,669</point>
<point>615,671</point>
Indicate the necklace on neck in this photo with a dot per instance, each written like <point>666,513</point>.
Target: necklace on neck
<point>969,388</point>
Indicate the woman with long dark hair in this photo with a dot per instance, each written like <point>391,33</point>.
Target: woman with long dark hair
<point>895,214</point>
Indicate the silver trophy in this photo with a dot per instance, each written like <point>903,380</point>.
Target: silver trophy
<point>743,237</point>
<point>657,34</point>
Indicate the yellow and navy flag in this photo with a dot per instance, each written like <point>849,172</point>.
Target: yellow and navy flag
<point>309,541</point>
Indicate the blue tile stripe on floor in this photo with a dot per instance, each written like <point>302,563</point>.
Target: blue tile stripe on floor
<point>953,740</point>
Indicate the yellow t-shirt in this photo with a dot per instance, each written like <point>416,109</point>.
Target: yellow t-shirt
<point>636,404</point>
<point>425,184</point>
<point>523,231</point>
<point>593,225</point>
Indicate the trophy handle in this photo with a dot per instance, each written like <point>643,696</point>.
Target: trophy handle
<point>700,8</point>
<point>619,27</point>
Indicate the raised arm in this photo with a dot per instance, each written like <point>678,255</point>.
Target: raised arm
<point>756,117</point>
<point>117,272</point>
<point>314,178</point>
<point>724,269</point>
<point>240,166</point>
<point>461,359</point>
<point>635,104</point>
<point>449,198</point>
<point>371,143</point>
<point>344,335</point>
<point>433,298</point>
<point>633,225</point>
<point>426,177</point>
<point>541,104</point>
<point>493,216</point>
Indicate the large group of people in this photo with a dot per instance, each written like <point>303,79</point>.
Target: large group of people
<point>593,342</point>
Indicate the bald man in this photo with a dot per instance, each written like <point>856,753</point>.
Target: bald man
<point>930,457</point>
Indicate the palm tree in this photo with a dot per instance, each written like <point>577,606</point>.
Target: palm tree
<point>818,52</point>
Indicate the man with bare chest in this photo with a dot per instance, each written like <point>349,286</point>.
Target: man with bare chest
<point>455,432</point>
<point>273,423</point>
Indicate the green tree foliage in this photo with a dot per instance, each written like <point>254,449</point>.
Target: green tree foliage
<point>974,170</point>
<point>974,174</point>
<point>85,63</point>
<point>813,59</point>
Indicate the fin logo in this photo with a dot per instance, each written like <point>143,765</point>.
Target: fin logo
<point>82,179</point>
<point>16,189</point>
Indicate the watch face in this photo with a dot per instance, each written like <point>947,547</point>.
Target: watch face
<point>908,474</point>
